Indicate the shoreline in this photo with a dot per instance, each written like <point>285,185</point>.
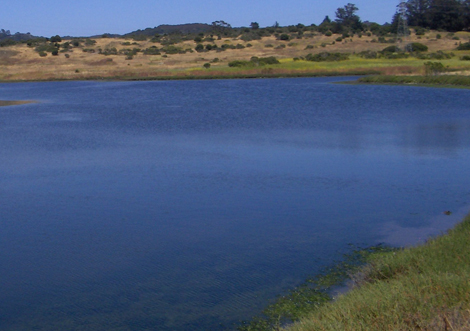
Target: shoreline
<point>371,77</point>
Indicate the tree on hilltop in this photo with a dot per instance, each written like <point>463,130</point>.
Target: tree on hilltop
<point>347,19</point>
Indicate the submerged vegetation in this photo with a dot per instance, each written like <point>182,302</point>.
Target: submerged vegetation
<point>420,288</point>
<point>312,293</point>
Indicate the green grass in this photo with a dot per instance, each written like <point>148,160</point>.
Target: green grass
<point>441,80</point>
<point>420,288</point>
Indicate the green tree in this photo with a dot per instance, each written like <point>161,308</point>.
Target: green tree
<point>346,17</point>
<point>254,26</point>
<point>56,39</point>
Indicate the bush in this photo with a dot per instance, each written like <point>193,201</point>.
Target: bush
<point>328,33</point>
<point>465,58</point>
<point>240,63</point>
<point>368,54</point>
<point>416,47</point>
<point>264,60</point>
<point>391,49</point>
<point>254,62</point>
<point>56,39</point>
<point>439,55</point>
<point>327,57</point>
<point>207,65</point>
<point>284,37</point>
<point>433,68</point>
<point>151,51</point>
<point>420,31</point>
<point>464,47</point>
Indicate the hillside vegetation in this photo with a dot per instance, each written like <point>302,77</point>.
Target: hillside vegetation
<point>307,53</point>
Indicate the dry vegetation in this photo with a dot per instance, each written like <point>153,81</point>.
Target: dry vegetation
<point>20,62</point>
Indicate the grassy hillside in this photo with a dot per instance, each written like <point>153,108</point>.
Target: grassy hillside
<point>163,58</point>
<point>421,288</point>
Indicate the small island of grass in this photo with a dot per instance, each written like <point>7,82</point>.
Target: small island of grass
<point>14,102</point>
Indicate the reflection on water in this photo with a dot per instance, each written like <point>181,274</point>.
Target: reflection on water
<point>189,205</point>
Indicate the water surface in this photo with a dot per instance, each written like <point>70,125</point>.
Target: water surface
<point>188,205</point>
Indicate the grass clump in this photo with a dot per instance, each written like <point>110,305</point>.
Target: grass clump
<point>420,288</point>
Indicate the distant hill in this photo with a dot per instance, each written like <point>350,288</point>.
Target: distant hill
<point>6,35</point>
<point>168,29</point>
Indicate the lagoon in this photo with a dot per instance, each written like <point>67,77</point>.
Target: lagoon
<point>189,205</point>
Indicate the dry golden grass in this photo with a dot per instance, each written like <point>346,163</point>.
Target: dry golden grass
<point>20,62</point>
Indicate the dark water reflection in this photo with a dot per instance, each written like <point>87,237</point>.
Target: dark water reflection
<point>189,205</point>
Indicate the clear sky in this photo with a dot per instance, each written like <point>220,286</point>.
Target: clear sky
<point>92,17</point>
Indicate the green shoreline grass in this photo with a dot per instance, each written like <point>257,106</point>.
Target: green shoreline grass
<point>438,81</point>
<point>419,288</point>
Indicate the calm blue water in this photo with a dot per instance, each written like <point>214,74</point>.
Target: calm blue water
<point>188,205</point>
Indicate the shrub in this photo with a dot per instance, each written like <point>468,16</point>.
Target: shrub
<point>284,37</point>
<point>151,51</point>
<point>339,39</point>
<point>327,57</point>
<point>420,31</point>
<point>90,42</point>
<point>368,54</point>
<point>254,61</point>
<point>239,63</point>
<point>416,47</point>
<point>464,47</point>
<point>207,65</point>
<point>199,48</point>
<point>328,33</point>
<point>433,68</point>
<point>439,55</point>
<point>465,58</point>
<point>264,60</point>
<point>56,39</point>
<point>170,49</point>
<point>390,49</point>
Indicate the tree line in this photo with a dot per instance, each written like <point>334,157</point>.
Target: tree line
<point>447,15</point>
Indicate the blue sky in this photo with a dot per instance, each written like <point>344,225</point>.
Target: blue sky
<point>91,17</point>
